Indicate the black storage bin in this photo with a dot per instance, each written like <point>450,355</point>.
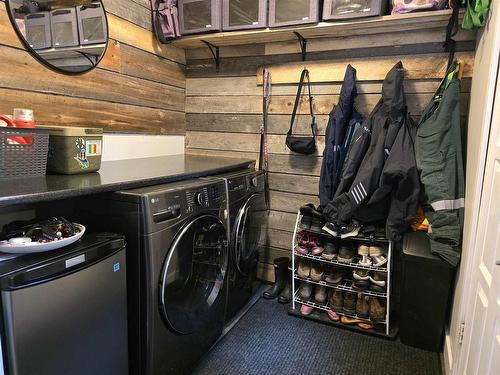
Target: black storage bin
<point>425,294</point>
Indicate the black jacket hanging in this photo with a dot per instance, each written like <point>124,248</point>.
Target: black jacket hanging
<point>301,144</point>
<point>338,122</point>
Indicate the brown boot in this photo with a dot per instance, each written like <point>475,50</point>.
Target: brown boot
<point>350,303</point>
<point>304,269</point>
<point>317,271</point>
<point>363,306</point>
<point>336,301</point>
<point>377,310</point>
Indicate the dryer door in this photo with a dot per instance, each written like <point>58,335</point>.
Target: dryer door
<point>249,233</point>
<point>193,274</point>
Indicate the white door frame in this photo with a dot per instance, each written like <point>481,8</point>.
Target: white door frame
<point>479,122</point>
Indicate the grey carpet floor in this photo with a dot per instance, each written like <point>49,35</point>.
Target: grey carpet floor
<point>269,341</point>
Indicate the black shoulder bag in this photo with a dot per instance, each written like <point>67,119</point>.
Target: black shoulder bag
<point>301,144</point>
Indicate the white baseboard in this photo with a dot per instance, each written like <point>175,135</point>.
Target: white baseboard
<point>447,359</point>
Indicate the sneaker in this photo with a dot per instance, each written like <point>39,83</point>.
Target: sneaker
<point>365,261</point>
<point>301,250</point>
<point>350,303</point>
<point>304,269</point>
<point>334,276</point>
<point>317,249</point>
<point>375,251</point>
<point>320,294</point>
<point>363,306</point>
<point>305,291</point>
<point>379,260</point>
<point>350,230</point>
<point>333,315</point>
<point>317,224</point>
<point>317,271</point>
<point>361,285</point>
<point>378,278</point>
<point>305,222</point>
<point>330,251</point>
<point>306,309</point>
<point>346,254</point>
<point>377,310</point>
<point>332,229</point>
<point>336,301</point>
<point>363,250</point>
<point>360,275</point>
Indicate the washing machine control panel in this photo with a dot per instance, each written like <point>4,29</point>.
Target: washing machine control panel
<point>165,207</point>
<point>206,197</point>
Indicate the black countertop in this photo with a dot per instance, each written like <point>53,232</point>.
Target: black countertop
<point>115,175</point>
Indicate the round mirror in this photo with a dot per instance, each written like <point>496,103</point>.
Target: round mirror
<point>69,36</point>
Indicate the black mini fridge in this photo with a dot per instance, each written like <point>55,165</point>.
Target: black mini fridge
<point>65,311</point>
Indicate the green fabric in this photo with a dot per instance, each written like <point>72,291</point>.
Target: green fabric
<point>475,14</point>
<point>438,151</point>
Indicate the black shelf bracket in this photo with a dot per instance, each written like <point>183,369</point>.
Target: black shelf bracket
<point>215,53</point>
<point>303,45</point>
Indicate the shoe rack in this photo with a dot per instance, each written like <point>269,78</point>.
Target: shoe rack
<point>383,327</point>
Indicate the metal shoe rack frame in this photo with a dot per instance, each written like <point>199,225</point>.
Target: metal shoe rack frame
<point>345,285</point>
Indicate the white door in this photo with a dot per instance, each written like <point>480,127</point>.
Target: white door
<point>481,351</point>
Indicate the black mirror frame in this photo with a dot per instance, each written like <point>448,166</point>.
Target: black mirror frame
<point>33,53</point>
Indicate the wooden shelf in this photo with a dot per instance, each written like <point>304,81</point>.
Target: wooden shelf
<point>390,23</point>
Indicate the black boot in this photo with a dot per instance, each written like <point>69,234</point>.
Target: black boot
<point>286,294</point>
<point>280,276</point>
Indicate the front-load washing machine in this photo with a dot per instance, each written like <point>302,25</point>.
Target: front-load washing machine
<point>247,222</point>
<point>177,236</point>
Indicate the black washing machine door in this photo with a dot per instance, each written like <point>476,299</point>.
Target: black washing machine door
<point>193,274</point>
<point>249,233</point>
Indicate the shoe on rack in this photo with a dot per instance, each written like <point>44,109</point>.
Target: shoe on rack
<point>379,260</point>
<point>375,251</point>
<point>305,222</point>
<point>363,250</point>
<point>317,248</point>
<point>306,309</point>
<point>348,320</point>
<point>304,269</point>
<point>336,301</point>
<point>365,261</point>
<point>311,211</point>
<point>346,254</point>
<point>333,315</point>
<point>363,306</point>
<point>302,246</point>
<point>334,276</point>
<point>361,285</point>
<point>377,310</point>
<point>379,278</point>
<point>331,229</point>
<point>305,291</point>
<point>317,224</point>
<point>350,230</point>
<point>286,294</point>
<point>350,303</point>
<point>280,278</point>
<point>320,294</point>
<point>360,274</point>
<point>365,325</point>
<point>317,271</point>
<point>330,251</point>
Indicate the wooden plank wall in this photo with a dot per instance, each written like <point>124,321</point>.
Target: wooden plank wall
<point>223,109</point>
<point>139,86</point>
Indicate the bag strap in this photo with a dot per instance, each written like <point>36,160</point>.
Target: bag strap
<point>303,76</point>
<point>451,30</point>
